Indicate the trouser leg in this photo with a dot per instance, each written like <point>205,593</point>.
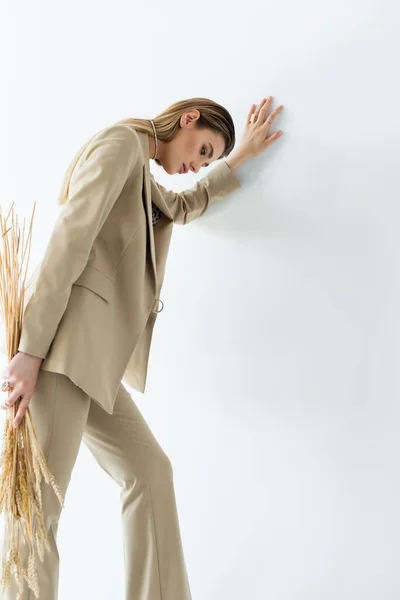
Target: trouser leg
<point>59,411</point>
<point>124,446</point>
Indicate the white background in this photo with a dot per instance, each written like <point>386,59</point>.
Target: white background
<point>273,382</point>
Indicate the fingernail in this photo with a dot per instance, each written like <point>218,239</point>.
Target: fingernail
<point>15,423</point>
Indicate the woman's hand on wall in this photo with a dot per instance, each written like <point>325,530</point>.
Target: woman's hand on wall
<point>255,136</point>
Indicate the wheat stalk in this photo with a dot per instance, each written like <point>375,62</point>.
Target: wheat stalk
<point>22,461</point>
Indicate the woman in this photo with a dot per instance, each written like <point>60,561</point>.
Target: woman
<point>89,314</point>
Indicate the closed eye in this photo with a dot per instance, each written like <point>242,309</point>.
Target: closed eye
<point>210,153</point>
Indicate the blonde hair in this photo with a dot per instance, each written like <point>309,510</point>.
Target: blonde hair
<point>212,116</point>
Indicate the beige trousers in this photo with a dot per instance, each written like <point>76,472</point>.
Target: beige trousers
<point>124,446</point>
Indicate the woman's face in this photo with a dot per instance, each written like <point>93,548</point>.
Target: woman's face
<point>190,147</point>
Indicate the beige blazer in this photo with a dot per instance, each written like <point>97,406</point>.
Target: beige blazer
<point>93,300</point>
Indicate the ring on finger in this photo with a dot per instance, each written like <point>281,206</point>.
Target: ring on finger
<point>5,384</point>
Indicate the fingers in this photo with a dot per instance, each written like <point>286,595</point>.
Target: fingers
<point>272,138</point>
<point>7,404</point>
<point>272,116</point>
<point>21,411</point>
<point>262,110</point>
<point>252,116</point>
<point>250,113</point>
<point>264,103</point>
<point>12,396</point>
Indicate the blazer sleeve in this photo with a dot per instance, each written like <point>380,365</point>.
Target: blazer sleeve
<point>95,185</point>
<point>190,204</point>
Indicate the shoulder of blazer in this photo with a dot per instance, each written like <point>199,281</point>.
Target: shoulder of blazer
<point>118,132</point>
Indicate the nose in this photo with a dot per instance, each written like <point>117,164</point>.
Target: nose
<point>194,168</point>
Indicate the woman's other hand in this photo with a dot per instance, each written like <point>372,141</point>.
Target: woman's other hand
<point>22,372</point>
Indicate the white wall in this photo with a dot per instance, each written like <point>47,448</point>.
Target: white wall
<point>273,382</point>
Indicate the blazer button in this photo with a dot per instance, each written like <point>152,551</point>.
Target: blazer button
<point>159,300</point>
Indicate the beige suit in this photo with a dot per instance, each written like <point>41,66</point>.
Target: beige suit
<point>89,313</point>
<point>93,302</point>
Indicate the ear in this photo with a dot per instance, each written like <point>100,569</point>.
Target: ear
<point>190,117</point>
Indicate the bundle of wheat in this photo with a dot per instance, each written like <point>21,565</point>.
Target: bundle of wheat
<point>22,461</point>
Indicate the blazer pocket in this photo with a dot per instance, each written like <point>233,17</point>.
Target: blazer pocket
<point>96,281</point>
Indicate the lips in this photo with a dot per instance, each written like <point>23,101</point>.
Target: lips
<point>184,168</point>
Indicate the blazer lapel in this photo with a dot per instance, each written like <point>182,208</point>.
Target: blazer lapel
<point>149,211</point>
<point>144,144</point>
